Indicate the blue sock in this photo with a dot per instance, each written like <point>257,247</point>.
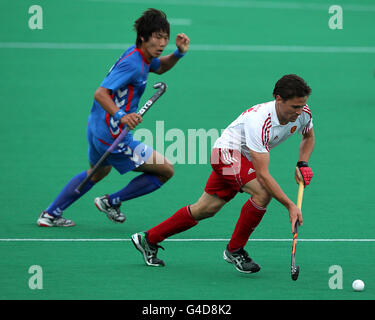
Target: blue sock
<point>67,196</point>
<point>139,186</point>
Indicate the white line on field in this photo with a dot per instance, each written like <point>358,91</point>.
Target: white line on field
<point>249,4</point>
<point>196,47</point>
<point>180,22</point>
<point>176,240</point>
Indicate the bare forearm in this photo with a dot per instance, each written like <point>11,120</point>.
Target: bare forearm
<point>261,162</point>
<point>103,96</point>
<point>270,184</point>
<point>167,63</point>
<point>306,147</point>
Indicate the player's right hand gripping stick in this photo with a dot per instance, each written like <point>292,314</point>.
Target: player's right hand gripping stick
<point>305,171</point>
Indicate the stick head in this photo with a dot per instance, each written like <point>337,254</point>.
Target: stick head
<point>295,273</point>
<point>160,85</point>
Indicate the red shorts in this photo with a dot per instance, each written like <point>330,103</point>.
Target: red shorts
<point>231,170</point>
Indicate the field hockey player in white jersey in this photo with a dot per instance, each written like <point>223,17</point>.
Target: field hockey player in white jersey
<point>240,161</point>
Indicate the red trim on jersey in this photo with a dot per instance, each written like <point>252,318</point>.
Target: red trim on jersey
<point>130,97</point>
<point>128,55</point>
<point>306,128</point>
<point>266,131</point>
<point>107,120</point>
<point>142,54</point>
<point>307,110</point>
<point>268,136</point>
<point>107,144</point>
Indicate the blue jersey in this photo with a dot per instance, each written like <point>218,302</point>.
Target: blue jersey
<point>127,81</point>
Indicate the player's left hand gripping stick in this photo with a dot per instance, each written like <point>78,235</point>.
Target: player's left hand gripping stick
<point>162,87</point>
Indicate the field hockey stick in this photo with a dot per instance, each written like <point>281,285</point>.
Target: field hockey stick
<point>295,269</point>
<point>162,88</point>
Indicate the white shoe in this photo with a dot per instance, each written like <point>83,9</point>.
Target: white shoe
<point>48,220</point>
<point>113,212</point>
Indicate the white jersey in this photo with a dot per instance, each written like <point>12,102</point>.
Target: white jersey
<point>259,129</point>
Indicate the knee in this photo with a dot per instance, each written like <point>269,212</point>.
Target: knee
<point>100,174</point>
<point>167,172</point>
<point>262,199</point>
<point>210,212</point>
<point>203,212</point>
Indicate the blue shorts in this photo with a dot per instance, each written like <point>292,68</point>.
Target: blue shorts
<point>125,158</point>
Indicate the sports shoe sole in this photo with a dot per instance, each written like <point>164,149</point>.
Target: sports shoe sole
<point>139,247</point>
<point>230,261</point>
<point>49,225</point>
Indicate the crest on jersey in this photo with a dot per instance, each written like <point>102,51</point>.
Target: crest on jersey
<point>294,128</point>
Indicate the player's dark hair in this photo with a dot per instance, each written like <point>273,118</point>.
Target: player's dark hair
<point>290,86</point>
<point>151,21</point>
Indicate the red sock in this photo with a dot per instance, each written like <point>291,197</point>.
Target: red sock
<point>180,221</point>
<point>251,215</point>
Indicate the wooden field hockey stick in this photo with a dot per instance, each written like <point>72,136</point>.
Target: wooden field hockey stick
<point>294,268</point>
<point>162,88</point>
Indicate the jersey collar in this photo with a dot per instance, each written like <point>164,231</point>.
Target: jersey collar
<point>142,55</point>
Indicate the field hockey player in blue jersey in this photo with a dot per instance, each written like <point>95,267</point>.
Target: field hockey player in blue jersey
<point>115,107</point>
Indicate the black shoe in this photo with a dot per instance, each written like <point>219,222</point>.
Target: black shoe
<point>241,260</point>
